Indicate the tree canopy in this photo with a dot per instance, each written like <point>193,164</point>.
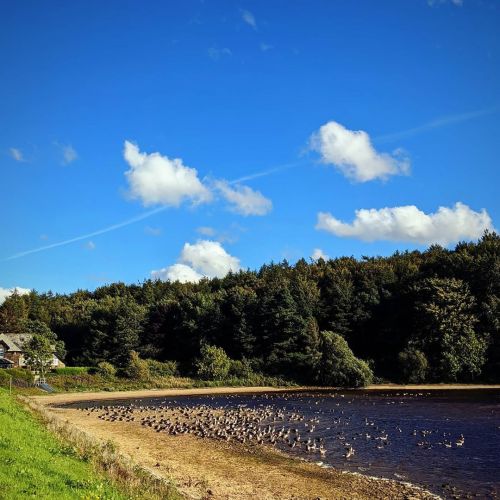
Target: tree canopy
<point>415,316</point>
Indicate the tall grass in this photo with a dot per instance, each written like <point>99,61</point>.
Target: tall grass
<point>64,382</point>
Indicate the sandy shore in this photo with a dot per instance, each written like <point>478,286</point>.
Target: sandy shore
<point>73,397</point>
<point>204,468</point>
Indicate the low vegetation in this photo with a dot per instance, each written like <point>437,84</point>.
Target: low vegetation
<point>141,374</point>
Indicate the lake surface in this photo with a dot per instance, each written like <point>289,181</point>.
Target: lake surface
<point>403,435</point>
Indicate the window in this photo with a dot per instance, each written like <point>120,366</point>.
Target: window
<point>2,351</point>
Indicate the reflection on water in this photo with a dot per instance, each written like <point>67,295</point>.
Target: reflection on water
<point>445,441</point>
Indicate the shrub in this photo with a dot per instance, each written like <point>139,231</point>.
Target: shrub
<point>71,370</point>
<point>105,369</point>
<point>240,369</point>
<point>19,377</point>
<point>413,365</point>
<point>137,368</point>
<point>338,365</point>
<point>162,368</point>
<point>213,364</point>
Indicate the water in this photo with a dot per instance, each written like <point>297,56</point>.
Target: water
<point>407,436</point>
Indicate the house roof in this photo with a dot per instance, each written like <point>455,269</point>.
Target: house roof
<point>5,361</point>
<point>15,341</point>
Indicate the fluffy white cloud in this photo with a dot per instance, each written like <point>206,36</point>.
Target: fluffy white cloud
<point>17,154</point>
<point>353,154</point>
<point>69,154</point>
<point>408,223</point>
<point>249,18</point>
<point>209,258</point>
<point>204,258</point>
<point>244,200</point>
<point>319,254</point>
<point>156,179</point>
<point>7,292</point>
<point>177,272</point>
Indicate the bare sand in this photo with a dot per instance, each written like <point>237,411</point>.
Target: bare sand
<point>204,468</point>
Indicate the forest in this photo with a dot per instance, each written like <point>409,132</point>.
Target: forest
<point>415,316</point>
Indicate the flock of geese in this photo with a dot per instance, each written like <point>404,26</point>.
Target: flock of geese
<point>266,423</point>
<point>263,425</point>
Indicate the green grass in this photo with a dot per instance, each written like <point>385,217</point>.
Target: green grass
<point>95,382</point>
<point>81,380</point>
<point>34,463</point>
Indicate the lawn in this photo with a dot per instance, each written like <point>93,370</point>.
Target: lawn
<point>34,463</point>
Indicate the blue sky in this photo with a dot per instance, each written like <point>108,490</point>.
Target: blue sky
<point>388,108</point>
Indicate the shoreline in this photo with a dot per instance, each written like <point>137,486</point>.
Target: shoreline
<point>75,397</point>
<point>205,468</point>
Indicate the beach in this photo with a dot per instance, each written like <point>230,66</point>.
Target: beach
<point>206,468</point>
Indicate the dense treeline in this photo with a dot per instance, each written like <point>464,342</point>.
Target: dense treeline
<point>414,316</point>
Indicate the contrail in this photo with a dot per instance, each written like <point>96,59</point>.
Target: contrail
<point>437,123</point>
<point>127,222</point>
<point>140,217</point>
<point>265,173</point>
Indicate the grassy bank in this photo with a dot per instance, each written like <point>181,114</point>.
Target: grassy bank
<point>80,379</point>
<point>35,462</point>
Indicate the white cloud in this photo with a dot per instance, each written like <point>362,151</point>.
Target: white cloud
<point>90,245</point>
<point>408,223</point>
<point>244,200</point>
<point>177,272</point>
<point>249,18</point>
<point>229,235</point>
<point>457,3</point>
<point>319,254</point>
<point>216,53</point>
<point>352,152</point>
<point>7,292</point>
<point>204,258</point>
<point>17,154</point>
<point>156,179</point>
<point>69,154</point>
<point>206,230</point>
<point>210,258</point>
<point>265,47</point>
<point>153,231</point>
